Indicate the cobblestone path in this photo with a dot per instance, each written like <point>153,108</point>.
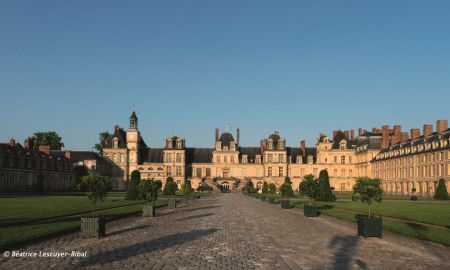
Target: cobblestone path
<point>233,231</point>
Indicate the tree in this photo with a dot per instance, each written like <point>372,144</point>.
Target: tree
<point>97,187</point>
<point>148,190</point>
<point>186,188</point>
<point>309,187</point>
<point>249,188</point>
<point>265,188</point>
<point>204,187</point>
<point>367,190</point>
<point>80,171</point>
<point>132,191</point>
<point>48,138</point>
<point>325,193</point>
<point>272,188</point>
<point>286,188</point>
<point>103,138</point>
<point>441,191</point>
<point>171,187</point>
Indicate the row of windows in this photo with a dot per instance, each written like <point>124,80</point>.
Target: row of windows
<point>224,159</point>
<point>437,170</point>
<point>199,172</point>
<point>270,171</point>
<point>22,162</point>
<point>171,157</point>
<point>178,171</point>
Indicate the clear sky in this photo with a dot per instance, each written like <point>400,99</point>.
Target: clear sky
<point>300,67</point>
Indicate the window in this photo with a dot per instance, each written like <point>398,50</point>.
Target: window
<point>280,171</point>
<point>349,159</point>
<point>218,159</point>
<point>342,186</point>
<point>258,159</point>
<point>168,171</point>
<point>224,159</point>
<point>269,145</point>
<point>269,171</point>
<point>244,159</point>
<point>342,159</point>
<point>335,159</point>
<point>280,158</point>
<point>198,172</point>
<point>343,173</point>
<point>208,172</point>
<point>269,158</point>
<point>179,171</point>
<point>179,158</point>
<point>232,159</point>
<point>326,160</point>
<point>169,158</point>
<point>115,143</point>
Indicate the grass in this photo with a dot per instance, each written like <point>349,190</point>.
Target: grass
<point>36,215</point>
<point>425,219</point>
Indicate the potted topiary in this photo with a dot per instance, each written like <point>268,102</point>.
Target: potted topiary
<point>368,190</point>
<point>170,189</point>
<point>286,193</point>
<point>148,191</point>
<point>413,197</point>
<point>310,187</point>
<point>97,187</point>
<point>186,190</point>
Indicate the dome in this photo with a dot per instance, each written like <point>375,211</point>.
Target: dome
<point>226,138</point>
<point>275,137</point>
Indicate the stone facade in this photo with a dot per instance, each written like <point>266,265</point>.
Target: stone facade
<point>230,165</point>
<point>418,162</point>
<point>21,165</point>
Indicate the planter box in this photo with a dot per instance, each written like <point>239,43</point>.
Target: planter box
<point>413,198</point>
<point>172,203</point>
<point>148,211</point>
<point>285,204</point>
<point>310,211</point>
<point>93,227</point>
<point>369,227</point>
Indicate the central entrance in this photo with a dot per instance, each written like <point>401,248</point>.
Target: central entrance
<point>225,186</point>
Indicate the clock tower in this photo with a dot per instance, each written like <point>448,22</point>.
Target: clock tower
<point>133,137</point>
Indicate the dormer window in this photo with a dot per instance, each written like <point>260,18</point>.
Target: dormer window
<point>258,159</point>
<point>179,144</point>
<point>270,145</point>
<point>244,159</point>
<point>115,143</point>
<point>280,144</point>
<point>343,145</point>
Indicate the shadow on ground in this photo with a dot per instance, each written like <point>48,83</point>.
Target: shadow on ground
<point>128,229</point>
<point>126,252</point>
<point>196,216</point>
<point>344,247</point>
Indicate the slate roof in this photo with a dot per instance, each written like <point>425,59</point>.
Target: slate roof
<point>275,138</point>
<point>339,137</point>
<point>226,138</point>
<point>152,155</point>
<point>199,155</point>
<point>251,153</point>
<point>78,155</point>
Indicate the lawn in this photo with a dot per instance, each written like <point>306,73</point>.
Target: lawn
<point>407,215</point>
<point>29,218</point>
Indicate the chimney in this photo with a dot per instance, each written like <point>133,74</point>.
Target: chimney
<point>261,145</point>
<point>28,143</point>
<point>374,130</point>
<point>335,133</point>
<point>404,136</point>
<point>397,134</point>
<point>427,129</point>
<point>217,134</point>
<point>441,125</point>
<point>238,135</point>
<point>415,133</point>
<point>352,134</point>
<point>45,149</point>
<point>360,131</point>
<point>347,134</point>
<point>303,147</point>
<point>67,154</point>
<point>385,136</point>
<point>12,142</point>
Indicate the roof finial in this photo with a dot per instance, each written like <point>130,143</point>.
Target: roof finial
<point>133,107</point>
<point>228,128</point>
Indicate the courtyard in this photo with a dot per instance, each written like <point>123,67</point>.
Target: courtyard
<point>233,231</point>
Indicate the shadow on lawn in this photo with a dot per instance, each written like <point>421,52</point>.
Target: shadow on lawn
<point>125,252</point>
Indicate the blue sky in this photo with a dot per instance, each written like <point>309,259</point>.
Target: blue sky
<point>300,67</point>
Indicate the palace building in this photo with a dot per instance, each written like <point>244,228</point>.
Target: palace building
<point>230,165</point>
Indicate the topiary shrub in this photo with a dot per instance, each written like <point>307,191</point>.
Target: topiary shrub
<point>171,187</point>
<point>265,188</point>
<point>325,193</point>
<point>367,190</point>
<point>249,188</point>
<point>133,183</point>
<point>203,187</point>
<point>441,191</point>
<point>309,187</point>
<point>272,188</point>
<point>186,188</point>
<point>286,188</point>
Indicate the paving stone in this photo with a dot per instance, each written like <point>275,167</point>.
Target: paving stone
<point>232,231</point>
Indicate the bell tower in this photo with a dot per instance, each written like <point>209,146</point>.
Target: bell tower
<point>133,137</point>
